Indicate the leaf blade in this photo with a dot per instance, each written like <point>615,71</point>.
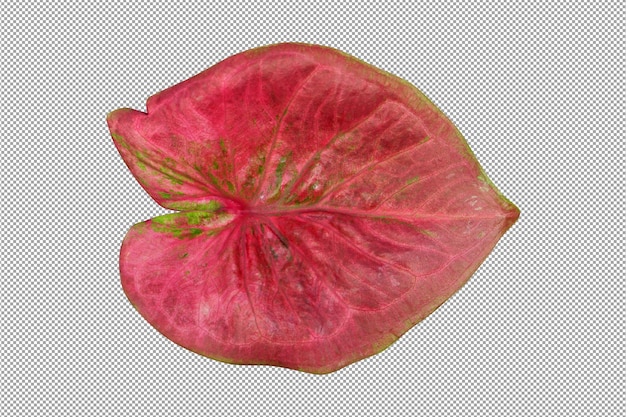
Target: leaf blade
<point>328,207</point>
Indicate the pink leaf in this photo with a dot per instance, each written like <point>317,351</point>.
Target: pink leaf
<point>326,207</point>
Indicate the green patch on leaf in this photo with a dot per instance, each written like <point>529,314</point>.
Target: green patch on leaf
<point>120,140</point>
<point>141,156</point>
<point>230,186</point>
<point>280,168</point>
<point>198,217</point>
<point>170,175</point>
<point>177,225</point>
<point>210,206</point>
<point>169,162</point>
<point>165,220</point>
<point>412,180</point>
<point>212,179</point>
<point>261,167</point>
<point>194,217</point>
<point>223,147</point>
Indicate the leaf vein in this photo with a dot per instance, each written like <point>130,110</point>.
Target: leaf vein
<point>271,151</point>
<point>373,257</point>
<point>367,167</point>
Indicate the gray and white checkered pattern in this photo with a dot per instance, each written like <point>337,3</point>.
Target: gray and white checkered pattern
<point>537,88</point>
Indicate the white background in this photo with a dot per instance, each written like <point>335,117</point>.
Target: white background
<point>538,90</point>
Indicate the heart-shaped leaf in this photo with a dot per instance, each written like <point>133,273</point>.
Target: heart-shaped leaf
<point>325,207</point>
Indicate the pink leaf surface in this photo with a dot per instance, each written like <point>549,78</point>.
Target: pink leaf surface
<point>325,208</point>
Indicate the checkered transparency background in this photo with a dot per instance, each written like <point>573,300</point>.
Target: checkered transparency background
<point>537,88</point>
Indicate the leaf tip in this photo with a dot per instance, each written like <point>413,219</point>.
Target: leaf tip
<point>512,214</point>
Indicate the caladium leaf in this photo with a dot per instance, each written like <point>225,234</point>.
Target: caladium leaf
<point>324,208</point>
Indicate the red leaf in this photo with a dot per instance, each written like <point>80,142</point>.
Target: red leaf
<point>326,208</point>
